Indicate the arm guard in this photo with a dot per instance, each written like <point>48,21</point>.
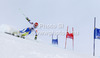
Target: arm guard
<point>35,34</point>
<point>29,20</point>
<point>36,37</point>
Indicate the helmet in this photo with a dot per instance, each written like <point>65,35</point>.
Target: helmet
<point>36,24</point>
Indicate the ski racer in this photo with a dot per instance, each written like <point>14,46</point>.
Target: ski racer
<point>28,30</point>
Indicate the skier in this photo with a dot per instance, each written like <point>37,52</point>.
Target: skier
<point>28,30</point>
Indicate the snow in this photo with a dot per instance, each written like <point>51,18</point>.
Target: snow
<point>13,47</point>
<point>6,28</point>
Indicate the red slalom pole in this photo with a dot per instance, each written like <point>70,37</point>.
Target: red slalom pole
<point>65,42</point>
<point>66,38</point>
<point>73,37</point>
<point>73,43</point>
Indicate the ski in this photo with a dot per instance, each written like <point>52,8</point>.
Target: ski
<point>14,35</point>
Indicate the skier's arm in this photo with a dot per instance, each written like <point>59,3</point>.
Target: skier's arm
<point>29,20</point>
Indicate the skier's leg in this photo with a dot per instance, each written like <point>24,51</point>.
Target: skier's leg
<point>18,33</point>
<point>25,34</point>
<point>15,33</point>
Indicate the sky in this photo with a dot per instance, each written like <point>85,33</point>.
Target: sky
<point>73,13</point>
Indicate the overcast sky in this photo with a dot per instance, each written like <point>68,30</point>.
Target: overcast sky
<point>73,13</point>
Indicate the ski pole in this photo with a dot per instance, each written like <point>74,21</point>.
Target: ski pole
<point>22,12</point>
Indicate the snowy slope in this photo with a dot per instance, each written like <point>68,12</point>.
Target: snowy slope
<point>7,28</point>
<point>13,47</point>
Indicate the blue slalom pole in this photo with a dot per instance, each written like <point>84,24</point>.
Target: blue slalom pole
<point>94,36</point>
